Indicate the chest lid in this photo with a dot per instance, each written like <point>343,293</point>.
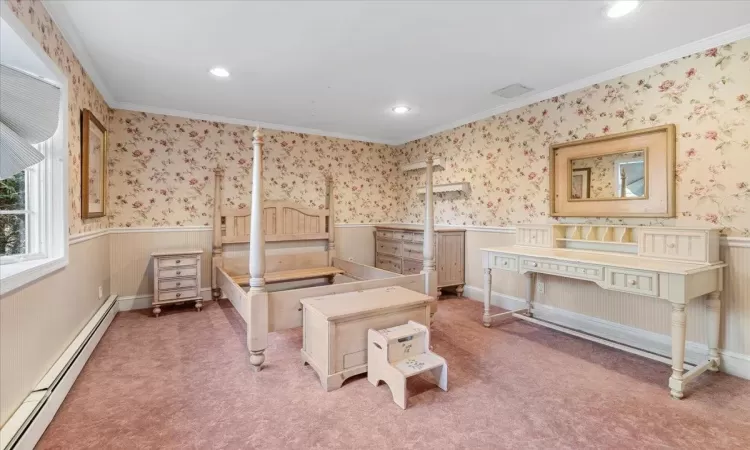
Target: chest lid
<point>351,304</point>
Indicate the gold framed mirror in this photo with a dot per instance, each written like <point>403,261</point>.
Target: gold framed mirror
<point>628,174</point>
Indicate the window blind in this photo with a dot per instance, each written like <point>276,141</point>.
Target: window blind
<point>29,114</point>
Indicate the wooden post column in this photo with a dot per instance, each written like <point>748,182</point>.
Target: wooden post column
<point>331,220</point>
<point>428,246</point>
<point>257,304</point>
<point>217,249</point>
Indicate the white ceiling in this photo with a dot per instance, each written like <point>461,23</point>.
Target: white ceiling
<point>337,68</point>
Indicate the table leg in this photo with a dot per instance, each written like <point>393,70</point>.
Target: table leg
<point>530,282</point>
<point>679,322</point>
<point>713,310</point>
<point>487,295</point>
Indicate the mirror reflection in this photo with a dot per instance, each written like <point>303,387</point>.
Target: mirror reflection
<point>614,176</point>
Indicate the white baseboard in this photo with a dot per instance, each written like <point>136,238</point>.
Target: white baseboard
<point>732,363</point>
<point>131,302</point>
<point>27,424</point>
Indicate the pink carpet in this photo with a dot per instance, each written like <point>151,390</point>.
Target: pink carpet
<point>183,381</point>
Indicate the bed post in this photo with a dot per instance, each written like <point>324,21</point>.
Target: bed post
<point>217,247</point>
<point>331,221</point>
<point>257,304</point>
<point>428,248</point>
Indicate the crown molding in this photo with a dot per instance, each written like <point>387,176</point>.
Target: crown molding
<point>250,123</point>
<point>59,13</point>
<point>726,37</point>
<point>71,34</point>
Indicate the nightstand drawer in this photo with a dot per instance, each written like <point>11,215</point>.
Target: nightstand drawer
<point>178,294</point>
<point>165,285</point>
<point>178,272</point>
<point>178,261</point>
<point>633,281</point>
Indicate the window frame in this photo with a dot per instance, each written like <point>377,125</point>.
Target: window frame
<point>52,251</point>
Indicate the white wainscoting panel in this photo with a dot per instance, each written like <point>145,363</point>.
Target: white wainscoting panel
<point>40,320</point>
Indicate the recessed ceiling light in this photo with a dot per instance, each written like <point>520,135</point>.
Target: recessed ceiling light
<point>219,72</point>
<point>401,109</point>
<point>621,8</point>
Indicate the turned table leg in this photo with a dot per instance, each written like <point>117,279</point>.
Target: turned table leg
<point>530,282</point>
<point>679,322</point>
<point>713,310</point>
<point>487,295</point>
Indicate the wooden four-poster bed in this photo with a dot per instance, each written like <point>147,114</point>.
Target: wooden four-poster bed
<point>283,221</point>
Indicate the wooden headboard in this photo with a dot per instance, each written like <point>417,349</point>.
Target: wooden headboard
<point>282,221</point>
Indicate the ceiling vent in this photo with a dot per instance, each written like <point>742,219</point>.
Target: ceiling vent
<point>512,90</point>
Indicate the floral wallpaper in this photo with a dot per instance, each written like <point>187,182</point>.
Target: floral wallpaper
<point>161,171</point>
<point>504,158</point>
<point>82,94</point>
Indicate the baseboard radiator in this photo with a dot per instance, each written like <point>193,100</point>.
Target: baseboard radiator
<point>24,428</point>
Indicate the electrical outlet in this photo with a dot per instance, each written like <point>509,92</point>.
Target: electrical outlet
<point>101,292</point>
<point>540,287</point>
<point>350,259</point>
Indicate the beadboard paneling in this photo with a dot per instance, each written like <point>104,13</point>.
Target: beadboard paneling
<point>632,310</point>
<point>40,320</point>
<point>130,257</point>
<point>132,270</point>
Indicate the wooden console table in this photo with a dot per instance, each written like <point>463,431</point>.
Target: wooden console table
<point>667,263</point>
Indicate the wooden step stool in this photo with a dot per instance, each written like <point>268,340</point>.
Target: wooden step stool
<point>397,353</point>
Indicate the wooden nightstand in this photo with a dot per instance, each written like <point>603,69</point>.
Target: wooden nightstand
<point>177,278</point>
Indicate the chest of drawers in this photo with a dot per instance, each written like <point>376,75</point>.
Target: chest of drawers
<point>399,249</point>
<point>177,278</point>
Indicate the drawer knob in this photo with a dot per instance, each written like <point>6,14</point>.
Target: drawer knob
<point>632,282</point>
<point>672,245</point>
<point>178,284</point>
<point>534,264</point>
<point>178,261</point>
<point>178,272</point>
<point>178,295</point>
<point>505,263</point>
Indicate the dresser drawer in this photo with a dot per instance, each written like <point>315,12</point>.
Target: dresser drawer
<point>412,267</point>
<point>504,262</point>
<point>633,281</point>
<point>413,251</point>
<point>388,263</point>
<point>417,237</point>
<point>178,272</point>
<point>388,247</point>
<point>384,234</point>
<point>165,285</point>
<point>682,245</point>
<point>178,261</point>
<point>178,295</point>
<point>401,235</point>
<point>567,269</point>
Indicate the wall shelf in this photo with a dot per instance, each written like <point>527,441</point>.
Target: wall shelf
<point>449,187</point>
<point>437,162</point>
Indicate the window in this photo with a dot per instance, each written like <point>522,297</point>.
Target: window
<point>33,203</point>
<point>21,217</point>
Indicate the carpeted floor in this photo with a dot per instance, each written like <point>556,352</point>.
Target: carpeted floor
<point>183,381</point>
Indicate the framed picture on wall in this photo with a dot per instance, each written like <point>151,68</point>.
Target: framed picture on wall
<point>93,166</point>
<point>580,186</point>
